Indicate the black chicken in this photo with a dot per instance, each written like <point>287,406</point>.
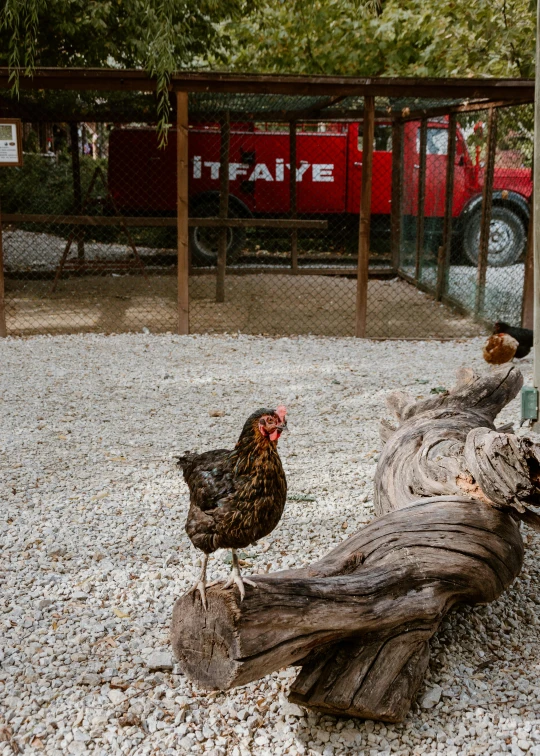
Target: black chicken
<point>524,337</point>
<point>238,496</point>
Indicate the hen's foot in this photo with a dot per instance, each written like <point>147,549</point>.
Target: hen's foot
<point>235,578</point>
<point>201,583</point>
<point>201,587</point>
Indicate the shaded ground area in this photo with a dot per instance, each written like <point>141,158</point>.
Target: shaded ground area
<point>254,304</point>
<point>96,304</point>
<point>321,305</point>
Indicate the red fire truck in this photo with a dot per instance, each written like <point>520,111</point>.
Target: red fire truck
<point>142,180</point>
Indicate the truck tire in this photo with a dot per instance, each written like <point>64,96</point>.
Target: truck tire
<point>203,240</point>
<point>507,237</point>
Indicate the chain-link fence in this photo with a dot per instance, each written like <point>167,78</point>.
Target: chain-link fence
<point>464,232</point>
<point>75,259</point>
<point>89,222</point>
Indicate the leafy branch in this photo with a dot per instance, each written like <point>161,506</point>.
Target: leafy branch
<point>161,36</point>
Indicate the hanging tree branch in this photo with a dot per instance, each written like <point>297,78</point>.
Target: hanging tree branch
<point>162,36</point>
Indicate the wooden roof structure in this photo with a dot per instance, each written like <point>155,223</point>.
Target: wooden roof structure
<point>98,94</point>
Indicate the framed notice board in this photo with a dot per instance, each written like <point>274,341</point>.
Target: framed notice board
<point>10,142</point>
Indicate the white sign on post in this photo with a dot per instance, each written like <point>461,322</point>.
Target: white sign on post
<point>10,142</point>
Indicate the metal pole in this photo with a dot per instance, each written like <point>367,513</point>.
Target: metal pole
<point>420,211</point>
<point>223,206</point>
<point>536,206</point>
<point>397,192</point>
<point>487,204</point>
<point>293,195</point>
<point>182,167</point>
<point>444,255</point>
<point>365,217</point>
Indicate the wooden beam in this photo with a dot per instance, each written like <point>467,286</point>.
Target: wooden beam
<point>316,111</point>
<point>421,204</point>
<point>365,217</point>
<point>223,206</point>
<point>151,221</point>
<point>468,107</point>
<point>63,112</point>
<point>282,270</point>
<point>527,309</point>
<point>182,169</point>
<point>328,86</point>
<point>487,204</point>
<point>397,192</point>
<point>443,263</point>
<point>292,191</point>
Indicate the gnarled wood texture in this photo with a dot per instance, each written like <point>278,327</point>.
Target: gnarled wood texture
<point>358,621</point>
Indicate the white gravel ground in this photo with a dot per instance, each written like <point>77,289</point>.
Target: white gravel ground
<point>94,552</point>
<point>38,251</point>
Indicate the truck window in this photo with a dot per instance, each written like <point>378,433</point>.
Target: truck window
<point>437,141</point>
<point>382,139</point>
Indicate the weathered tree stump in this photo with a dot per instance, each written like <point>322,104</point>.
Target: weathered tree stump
<point>449,491</point>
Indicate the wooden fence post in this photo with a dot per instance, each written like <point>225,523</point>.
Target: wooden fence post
<point>77,187</point>
<point>397,192</point>
<point>444,257</point>
<point>3,328</point>
<point>182,169</point>
<point>487,203</point>
<point>527,309</point>
<point>365,217</point>
<point>421,204</point>
<point>293,195</point>
<point>223,206</point>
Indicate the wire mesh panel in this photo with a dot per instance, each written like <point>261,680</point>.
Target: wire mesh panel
<point>496,293</point>
<point>291,253</point>
<point>443,255</point>
<point>274,190</point>
<point>80,250</point>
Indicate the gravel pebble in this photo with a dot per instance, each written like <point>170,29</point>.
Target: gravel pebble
<point>94,551</point>
<point>431,697</point>
<point>160,660</point>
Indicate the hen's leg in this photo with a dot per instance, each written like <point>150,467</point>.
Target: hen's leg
<point>201,583</point>
<point>236,578</point>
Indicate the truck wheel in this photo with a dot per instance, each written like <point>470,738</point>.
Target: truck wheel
<point>507,237</point>
<point>203,240</point>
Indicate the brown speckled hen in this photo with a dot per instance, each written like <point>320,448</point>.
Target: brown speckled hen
<point>238,496</point>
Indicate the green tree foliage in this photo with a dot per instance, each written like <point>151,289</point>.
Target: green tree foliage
<point>351,37</point>
<point>390,38</point>
<point>159,35</point>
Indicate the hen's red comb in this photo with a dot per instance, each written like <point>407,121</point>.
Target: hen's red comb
<point>281,411</point>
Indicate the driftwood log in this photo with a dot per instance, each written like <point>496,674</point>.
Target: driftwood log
<point>450,491</point>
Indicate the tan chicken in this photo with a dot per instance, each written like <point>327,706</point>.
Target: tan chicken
<point>500,348</point>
